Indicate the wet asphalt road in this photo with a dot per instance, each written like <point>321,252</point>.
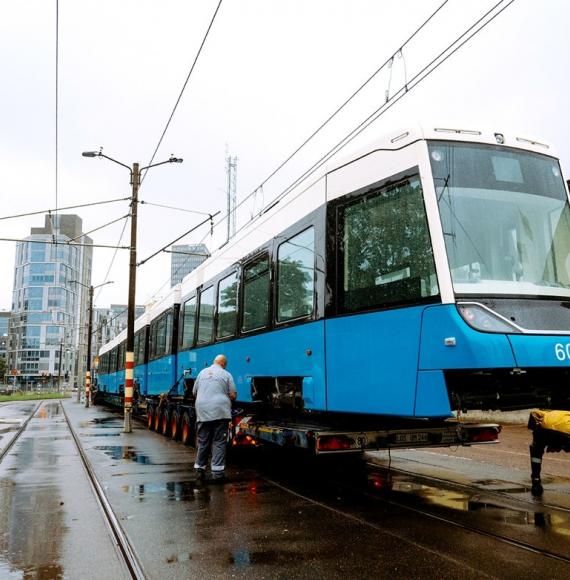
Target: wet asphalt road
<point>281,516</point>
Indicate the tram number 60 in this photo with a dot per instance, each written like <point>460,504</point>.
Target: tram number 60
<point>562,351</point>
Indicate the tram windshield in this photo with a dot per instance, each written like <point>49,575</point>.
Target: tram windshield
<point>505,218</point>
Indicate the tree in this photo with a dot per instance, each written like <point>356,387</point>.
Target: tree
<point>2,369</point>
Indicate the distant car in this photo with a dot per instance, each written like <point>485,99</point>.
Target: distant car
<point>74,390</point>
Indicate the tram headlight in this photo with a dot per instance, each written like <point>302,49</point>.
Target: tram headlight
<point>482,318</point>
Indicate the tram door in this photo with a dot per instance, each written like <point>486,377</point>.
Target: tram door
<point>385,274</point>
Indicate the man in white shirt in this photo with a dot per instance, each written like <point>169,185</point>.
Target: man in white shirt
<point>214,390</point>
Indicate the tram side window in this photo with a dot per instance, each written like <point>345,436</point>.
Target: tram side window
<point>121,357</point>
<point>256,284</point>
<point>160,337</point>
<point>113,361</point>
<point>142,344</point>
<point>188,322</point>
<point>296,276</point>
<point>227,306</point>
<point>152,346</point>
<point>206,316</point>
<point>136,347</point>
<point>168,334</point>
<point>385,249</point>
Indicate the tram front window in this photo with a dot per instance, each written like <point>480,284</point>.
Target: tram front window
<point>505,218</point>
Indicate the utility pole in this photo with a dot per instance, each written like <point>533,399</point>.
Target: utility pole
<point>135,172</point>
<point>130,355</point>
<point>88,371</point>
<point>231,171</point>
<point>59,367</point>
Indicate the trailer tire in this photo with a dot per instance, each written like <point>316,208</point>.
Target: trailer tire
<point>150,418</point>
<point>165,423</point>
<point>157,416</point>
<point>188,431</point>
<point>175,426</point>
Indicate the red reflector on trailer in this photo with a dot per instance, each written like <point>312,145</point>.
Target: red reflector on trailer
<point>333,443</point>
<point>484,434</point>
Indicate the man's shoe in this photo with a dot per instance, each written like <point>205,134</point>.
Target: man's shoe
<point>218,480</point>
<point>200,474</point>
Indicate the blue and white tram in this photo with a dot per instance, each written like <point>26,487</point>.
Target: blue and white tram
<point>427,273</point>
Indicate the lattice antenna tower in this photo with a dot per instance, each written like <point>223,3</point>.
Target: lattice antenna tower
<point>231,172</point>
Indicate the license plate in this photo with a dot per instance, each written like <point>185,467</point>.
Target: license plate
<point>411,437</point>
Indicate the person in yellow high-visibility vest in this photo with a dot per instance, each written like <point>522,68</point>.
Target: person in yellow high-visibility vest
<point>550,433</point>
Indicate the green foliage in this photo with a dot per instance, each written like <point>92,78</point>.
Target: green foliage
<point>2,369</point>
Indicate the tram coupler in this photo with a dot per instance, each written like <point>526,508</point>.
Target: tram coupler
<point>550,433</point>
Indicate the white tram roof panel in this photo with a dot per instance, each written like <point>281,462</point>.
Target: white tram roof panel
<point>306,198</point>
<point>475,133</point>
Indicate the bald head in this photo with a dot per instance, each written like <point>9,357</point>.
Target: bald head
<point>221,361</point>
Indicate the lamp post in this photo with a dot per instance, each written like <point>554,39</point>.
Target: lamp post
<point>135,172</point>
<point>89,331</point>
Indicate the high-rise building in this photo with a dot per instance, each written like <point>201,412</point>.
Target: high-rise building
<point>4,318</point>
<point>50,301</point>
<point>186,258</point>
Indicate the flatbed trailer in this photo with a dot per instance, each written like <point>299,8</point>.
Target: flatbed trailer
<point>321,439</point>
<point>175,416</point>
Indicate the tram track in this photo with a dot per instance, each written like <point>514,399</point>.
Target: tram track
<point>121,540</point>
<point>432,515</point>
<point>474,488</point>
<point>19,432</point>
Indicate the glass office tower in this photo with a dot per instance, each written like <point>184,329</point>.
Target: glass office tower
<point>48,332</point>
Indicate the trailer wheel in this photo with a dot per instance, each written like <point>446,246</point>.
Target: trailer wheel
<point>157,415</point>
<point>174,426</point>
<point>164,423</point>
<point>188,432</point>
<point>150,418</point>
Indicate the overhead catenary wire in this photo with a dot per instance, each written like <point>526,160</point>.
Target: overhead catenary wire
<point>99,228</point>
<point>105,280</point>
<point>175,208</point>
<point>183,89</point>
<point>347,101</point>
<point>64,243</point>
<point>50,211</point>
<point>177,239</point>
<point>442,57</point>
<point>412,83</point>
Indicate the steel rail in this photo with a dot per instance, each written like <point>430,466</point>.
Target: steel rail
<point>19,432</point>
<point>502,538</point>
<point>124,546</point>
<point>478,488</point>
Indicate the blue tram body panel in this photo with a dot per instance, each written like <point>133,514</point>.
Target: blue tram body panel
<point>472,349</point>
<point>296,351</point>
<point>140,378</point>
<point>372,362</point>
<point>541,351</point>
<point>161,375</point>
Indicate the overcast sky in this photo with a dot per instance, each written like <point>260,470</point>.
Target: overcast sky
<point>270,72</point>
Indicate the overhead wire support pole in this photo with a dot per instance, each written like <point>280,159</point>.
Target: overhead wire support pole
<point>135,173</point>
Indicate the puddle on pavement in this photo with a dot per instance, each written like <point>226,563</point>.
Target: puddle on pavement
<point>172,491</point>
<point>100,434</point>
<point>123,452</point>
<point>245,558</point>
<point>102,423</point>
<point>30,547</point>
<point>459,500</point>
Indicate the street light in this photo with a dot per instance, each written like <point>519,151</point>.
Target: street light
<point>89,330</point>
<point>135,172</point>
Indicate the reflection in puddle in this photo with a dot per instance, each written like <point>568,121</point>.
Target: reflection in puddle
<point>461,500</point>
<point>243,558</point>
<point>172,491</point>
<point>100,434</point>
<point>102,422</point>
<point>123,452</point>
